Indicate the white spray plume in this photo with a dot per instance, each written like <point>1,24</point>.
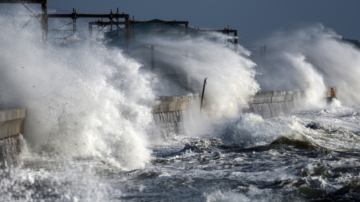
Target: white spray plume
<point>321,53</point>
<point>81,101</point>
<point>230,75</point>
<point>312,83</point>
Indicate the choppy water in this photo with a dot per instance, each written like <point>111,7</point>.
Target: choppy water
<point>316,158</point>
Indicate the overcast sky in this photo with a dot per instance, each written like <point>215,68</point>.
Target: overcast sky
<point>254,19</point>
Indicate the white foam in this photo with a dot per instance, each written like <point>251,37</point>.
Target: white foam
<point>225,196</point>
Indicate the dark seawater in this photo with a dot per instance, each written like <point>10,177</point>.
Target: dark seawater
<point>315,160</point>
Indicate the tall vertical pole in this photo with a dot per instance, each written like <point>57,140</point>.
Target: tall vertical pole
<point>111,20</point>
<point>74,21</point>
<point>90,33</point>
<point>236,40</point>
<point>117,22</point>
<point>202,95</point>
<point>127,32</point>
<point>74,27</point>
<point>264,51</point>
<point>44,23</point>
<point>152,58</point>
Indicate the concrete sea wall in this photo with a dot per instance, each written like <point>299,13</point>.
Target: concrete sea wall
<point>174,103</point>
<point>273,103</point>
<point>11,122</point>
<point>168,113</point>
<point>267,104</point>
<point>11,127</point>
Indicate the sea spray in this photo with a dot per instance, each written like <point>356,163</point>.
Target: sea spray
<point>81,101</point>
<point>311,83</point>
<point>303,59</point>
<point>230,77</point>
<point>272,167</point>
<point>321,48</point>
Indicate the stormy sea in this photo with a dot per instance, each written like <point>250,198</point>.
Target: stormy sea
<point>90,134</point>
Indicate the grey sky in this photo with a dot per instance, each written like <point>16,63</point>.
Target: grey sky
<point>254,19</point>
